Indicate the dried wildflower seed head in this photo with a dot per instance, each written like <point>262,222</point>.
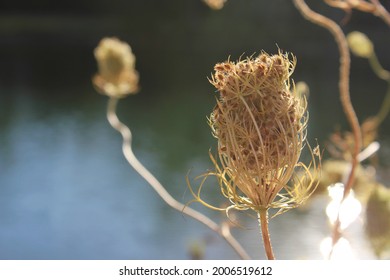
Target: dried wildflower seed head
<point>359,44</point>
<point>117,76</point>
<point>257,120</point>
<point>260,125</point>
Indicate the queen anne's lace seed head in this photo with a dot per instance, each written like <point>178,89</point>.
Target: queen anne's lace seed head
<point>260,124</point>
<point>117,76</point>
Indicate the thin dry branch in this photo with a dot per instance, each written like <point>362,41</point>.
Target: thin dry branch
<point>344,72</point>
<point>372,6</point>
<point>381,12</point>
<point>348,5</point>
<point>156,185</point>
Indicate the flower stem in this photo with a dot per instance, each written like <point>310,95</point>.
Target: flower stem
<point>344,72</point>
<point>263,220</point>
<point>127,150</point>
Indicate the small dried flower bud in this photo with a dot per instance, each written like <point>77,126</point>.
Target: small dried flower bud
<point>359,44</point>
<point>215,4</point>
<point>117,76</point>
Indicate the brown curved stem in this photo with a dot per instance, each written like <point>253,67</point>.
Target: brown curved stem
<point>344,72</point>
<point>156,185</point>
<point>373,7</point>
<point>347,5</point>
<point>381,11</point>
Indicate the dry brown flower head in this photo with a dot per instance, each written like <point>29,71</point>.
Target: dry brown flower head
<point>260,124</point>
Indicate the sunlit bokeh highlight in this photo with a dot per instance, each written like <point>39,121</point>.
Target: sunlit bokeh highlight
<point>342,250</point>
<point>348,210</point>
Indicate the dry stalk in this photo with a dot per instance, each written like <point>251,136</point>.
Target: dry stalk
<point>159,188</point>
<point>344,72</point>
<point>381,11</point>
<point>373,7</point>
<point>263,220</point>
<point>260,122</point>
<point>117,78</point>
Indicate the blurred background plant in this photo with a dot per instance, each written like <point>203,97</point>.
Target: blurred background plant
<point>359,144</point>
<point>67,192</point>
<point>117,78</point>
